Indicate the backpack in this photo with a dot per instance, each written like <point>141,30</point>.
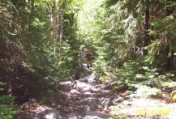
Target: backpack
<point>89,55</point>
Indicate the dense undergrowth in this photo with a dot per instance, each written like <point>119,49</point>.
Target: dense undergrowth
<point>138,73</point>
<point>6,105</point>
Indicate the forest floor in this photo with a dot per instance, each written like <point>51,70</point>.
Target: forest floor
<point>87,98</point>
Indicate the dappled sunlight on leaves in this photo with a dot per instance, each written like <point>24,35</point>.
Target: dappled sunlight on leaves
<point>145,91</point>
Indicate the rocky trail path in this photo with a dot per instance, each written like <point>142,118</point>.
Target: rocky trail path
<point>86,98</point>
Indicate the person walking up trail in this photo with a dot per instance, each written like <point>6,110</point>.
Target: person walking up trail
<point>82,56</point>
<point>89,58</point>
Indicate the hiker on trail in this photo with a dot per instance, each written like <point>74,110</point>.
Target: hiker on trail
<point>89,57</point>
<point>82,57</point>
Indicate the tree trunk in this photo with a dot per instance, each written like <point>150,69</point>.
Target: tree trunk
<point>146,26</point>
<point>61,35</point>
<point>54,20</point>
<point>31,14</point>
<point>174,62</point>
<point>53,24</point>
<point>14,16</point>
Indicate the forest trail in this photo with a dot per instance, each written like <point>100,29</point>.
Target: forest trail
<point>87,98</point>
<point>132,40</point>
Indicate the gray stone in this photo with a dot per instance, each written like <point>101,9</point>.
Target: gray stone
<point>95,115</point>
<point>83,79</point>
<point>74,91</point>
<point>91,79</point>
<point>118,100</point>
<point>52,114</point>
<point>134,96</point>
<point>84,101</point>
<point>36,118</point>
<point>87,93</point>
<point>93,105</point>
<point>66,83</point>
<point>74,115</point>
<point>83,86</point>
<point>105,103</point>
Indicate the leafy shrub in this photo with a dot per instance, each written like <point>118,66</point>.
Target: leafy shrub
<point>140,72</point>
<point>6,109</point>
<point>131,72</point>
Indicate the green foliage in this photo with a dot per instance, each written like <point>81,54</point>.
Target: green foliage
<point>131,69</point>
<point>163,47</point>
<point>169,3</point>
<point>7,112</point>
<point>1,84</point>
<point>29,55</point>
<point>116,30</point>
<point>173,96</point>
<point>6,109</point>
<point>173,99</point>
<point>145,91</point>
<point>168,85</point>
<point>139,72</point>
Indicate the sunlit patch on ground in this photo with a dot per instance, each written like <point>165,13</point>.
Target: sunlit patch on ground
<point>144,108</point>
